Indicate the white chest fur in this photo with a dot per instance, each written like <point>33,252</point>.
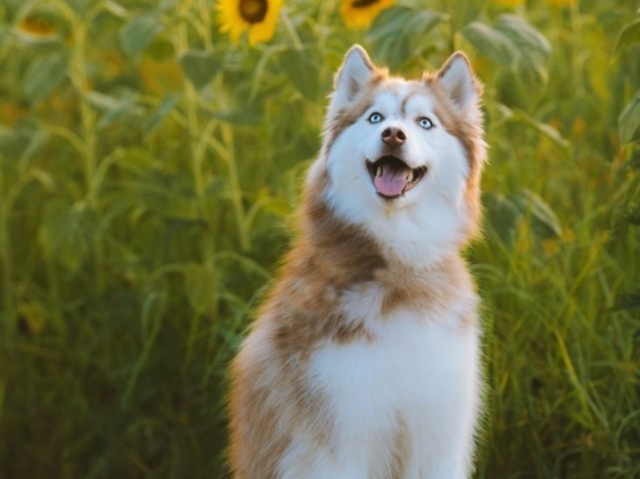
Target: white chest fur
<point>408,395</point>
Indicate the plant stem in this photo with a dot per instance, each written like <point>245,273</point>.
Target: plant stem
<point>80,80</point>
<point>87,116</point>
<point>205,14</point>
<point>191,102</point>
<point>295,39</point>
<point>236,189</point>
<point>5,259</point>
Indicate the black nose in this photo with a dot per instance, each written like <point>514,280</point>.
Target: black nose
<point>394,136</point>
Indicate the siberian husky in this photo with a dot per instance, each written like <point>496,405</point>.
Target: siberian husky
<point>364,360</point>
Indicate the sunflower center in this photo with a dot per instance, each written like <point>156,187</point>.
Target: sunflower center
<point>253,11</point>
<point>363,3</point>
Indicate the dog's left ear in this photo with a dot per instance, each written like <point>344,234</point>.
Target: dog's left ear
<point>355,72</point>
<point>459,82</point>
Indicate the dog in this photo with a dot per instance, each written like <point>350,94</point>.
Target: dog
<point>363,362</point>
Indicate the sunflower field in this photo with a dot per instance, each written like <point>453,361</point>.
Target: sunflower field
<point>151,156</point>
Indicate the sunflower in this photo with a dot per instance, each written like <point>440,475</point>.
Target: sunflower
<point>42,24</point>
<point>360,13</point>
<point>257,17</point>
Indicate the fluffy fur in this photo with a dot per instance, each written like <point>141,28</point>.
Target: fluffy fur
<point>363,362</point>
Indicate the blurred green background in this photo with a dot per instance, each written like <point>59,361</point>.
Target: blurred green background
<point>149,168</point>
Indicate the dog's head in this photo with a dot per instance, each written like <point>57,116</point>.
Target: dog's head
<point>403,158</point>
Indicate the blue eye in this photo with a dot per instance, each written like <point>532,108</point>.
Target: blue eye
<point>375,118</point>
<point>425,123</point>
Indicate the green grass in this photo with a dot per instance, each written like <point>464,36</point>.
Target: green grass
<point>142,217</point>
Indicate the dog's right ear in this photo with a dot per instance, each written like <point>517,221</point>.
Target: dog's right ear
<point>355,72</point>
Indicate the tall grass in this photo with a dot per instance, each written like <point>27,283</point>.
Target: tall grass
<point>149,170</point>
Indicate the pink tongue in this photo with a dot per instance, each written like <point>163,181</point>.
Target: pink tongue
<point>392,181</point>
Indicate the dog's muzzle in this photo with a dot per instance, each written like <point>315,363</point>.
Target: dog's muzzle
<point>392,177</point>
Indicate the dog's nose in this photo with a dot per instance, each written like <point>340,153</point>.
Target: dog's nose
<point>393,136</point>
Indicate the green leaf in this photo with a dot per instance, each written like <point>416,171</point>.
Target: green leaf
<point>161,49</point>
<point>12,6</point>
<point>113,108</point>
<point>199,285</point>
<point>505,212</point>
<point>168,196</point>
<point>33,316</point>
<point>80,6</point>
<point>164,5</point>
<point>547,130</point>
<point>46,179</point>
<point>544,222</point>
<point>125,106</point>
<point>241,116</point>
<point>5,35</point>
<point>23,141</point>
<point>136,35</point>
<point>137,159</point>
<point>533,47</point>
<point>492,43</point>
<point>524,34</point>
<point>629,35</point>
<point>629,119</point>
<point>632,216</point>
<point>44,75</point>
<point>153,309</point>
<point>397,34</point>
<point>101,101</point>
<point>628,301</point>
<point>302,69</point>
<point>633,163</point>
<point>200,66</point>
<point>65,233</point>
<point>159,114</point>
<point>502,215</point>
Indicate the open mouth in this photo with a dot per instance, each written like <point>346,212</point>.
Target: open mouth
<point>392,177</point>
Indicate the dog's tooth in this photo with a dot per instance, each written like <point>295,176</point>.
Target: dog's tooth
<point>379,171</point>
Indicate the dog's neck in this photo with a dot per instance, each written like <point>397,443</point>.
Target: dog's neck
<point>349,250</point>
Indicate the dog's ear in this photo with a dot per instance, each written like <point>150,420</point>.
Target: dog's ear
<point>356,70</point>
<point>459,82</point>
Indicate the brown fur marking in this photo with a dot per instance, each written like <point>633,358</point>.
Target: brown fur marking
<point>401,452</point>
<point>432,289</point>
